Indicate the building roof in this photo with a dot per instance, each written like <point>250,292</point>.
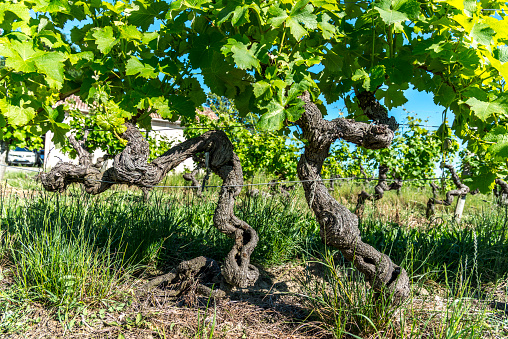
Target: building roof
<point>75,102</point>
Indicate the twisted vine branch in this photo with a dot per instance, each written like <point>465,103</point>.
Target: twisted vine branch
<point>339,227</point>
<point>460,191</point>
<point>379,190</point>
<point>131,167</point>
<point>375,111</point>
<point>502,193</point>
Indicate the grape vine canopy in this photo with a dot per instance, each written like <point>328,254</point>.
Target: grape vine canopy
<point>282,60</point>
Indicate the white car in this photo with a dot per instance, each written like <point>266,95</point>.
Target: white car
<point>22,156</point>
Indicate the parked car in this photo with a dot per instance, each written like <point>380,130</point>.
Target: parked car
<point>22,156</point>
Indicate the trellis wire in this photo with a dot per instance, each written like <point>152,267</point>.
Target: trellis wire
<point>254,184</point>
<point>21,168</point>
<point>274,183</point>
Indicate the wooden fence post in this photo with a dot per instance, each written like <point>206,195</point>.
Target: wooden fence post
<point>460,207</point>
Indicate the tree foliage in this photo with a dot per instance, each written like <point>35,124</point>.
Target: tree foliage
<point>447,48</point>
<point>262,54</point>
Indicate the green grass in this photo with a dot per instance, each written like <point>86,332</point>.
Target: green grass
<point>75,250</point>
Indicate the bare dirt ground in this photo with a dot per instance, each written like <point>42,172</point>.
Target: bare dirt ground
<point>272,309</point>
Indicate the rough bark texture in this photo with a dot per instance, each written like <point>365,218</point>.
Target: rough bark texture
<point>201,161</point>
<point>379,190</point>
<point>364,174</point>
<point>501,192</point>
<point>460,191</point>
<point>132,168</point>
<point>375,111</point>
<point>277,188</point>
<point>199,275</point>
<point>339,226</point>
<point>195,183</point>
<point>332,182</point>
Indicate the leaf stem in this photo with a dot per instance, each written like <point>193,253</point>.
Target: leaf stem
<point>5,75</point>
<point>373,43</point>
<point>283,38</point>
<point>258,16</point>
<point>390,42</point>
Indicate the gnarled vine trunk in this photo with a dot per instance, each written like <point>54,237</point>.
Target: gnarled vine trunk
<point>131,167</point>
<point>459,192</point>
<point>379,190</point>
<point>501,192</point>
<point>339,226</point>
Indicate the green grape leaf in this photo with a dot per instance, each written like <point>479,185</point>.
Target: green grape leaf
<point>149,36</point>
<point>278,14</point>
<point>260,88</point>
<point>16,115</point>
<point>282,108</point>
<point>326,27</point>
<point>104,39</point>
<point>294,112</point>
<point>333,61</point>
<point>109,120</point>
<point>301,13</point>
<point>130,32</point>
<point>19,9</point>
<point>192,89</point>
<point>396,11</point>
<point>59,134</point>
<point>50,119</point>
<point>74,58</point>
<point>501,53</point>
<point>182,105</point>
<point>399,69</point>
<point>485,182</point>
<point>240,16</point>
<point>161,106</point>
<point>243,54</point>
<point>483,110</point>
<point>54,115</point>
<point>444,95</point>
<point>144,15</point>
<point>51,64</point>
<point>500,149</point>
<point>393,96</point>
<point>18,55</point>
<point>377,76</point>
<point>391,16</point>
<point>482,33</point>
<point>134,66</point>
<point>274,119</point>
<point>498,136</point>
<point>361,74</point>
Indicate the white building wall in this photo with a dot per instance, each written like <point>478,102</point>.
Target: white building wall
<point>160,127</point>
